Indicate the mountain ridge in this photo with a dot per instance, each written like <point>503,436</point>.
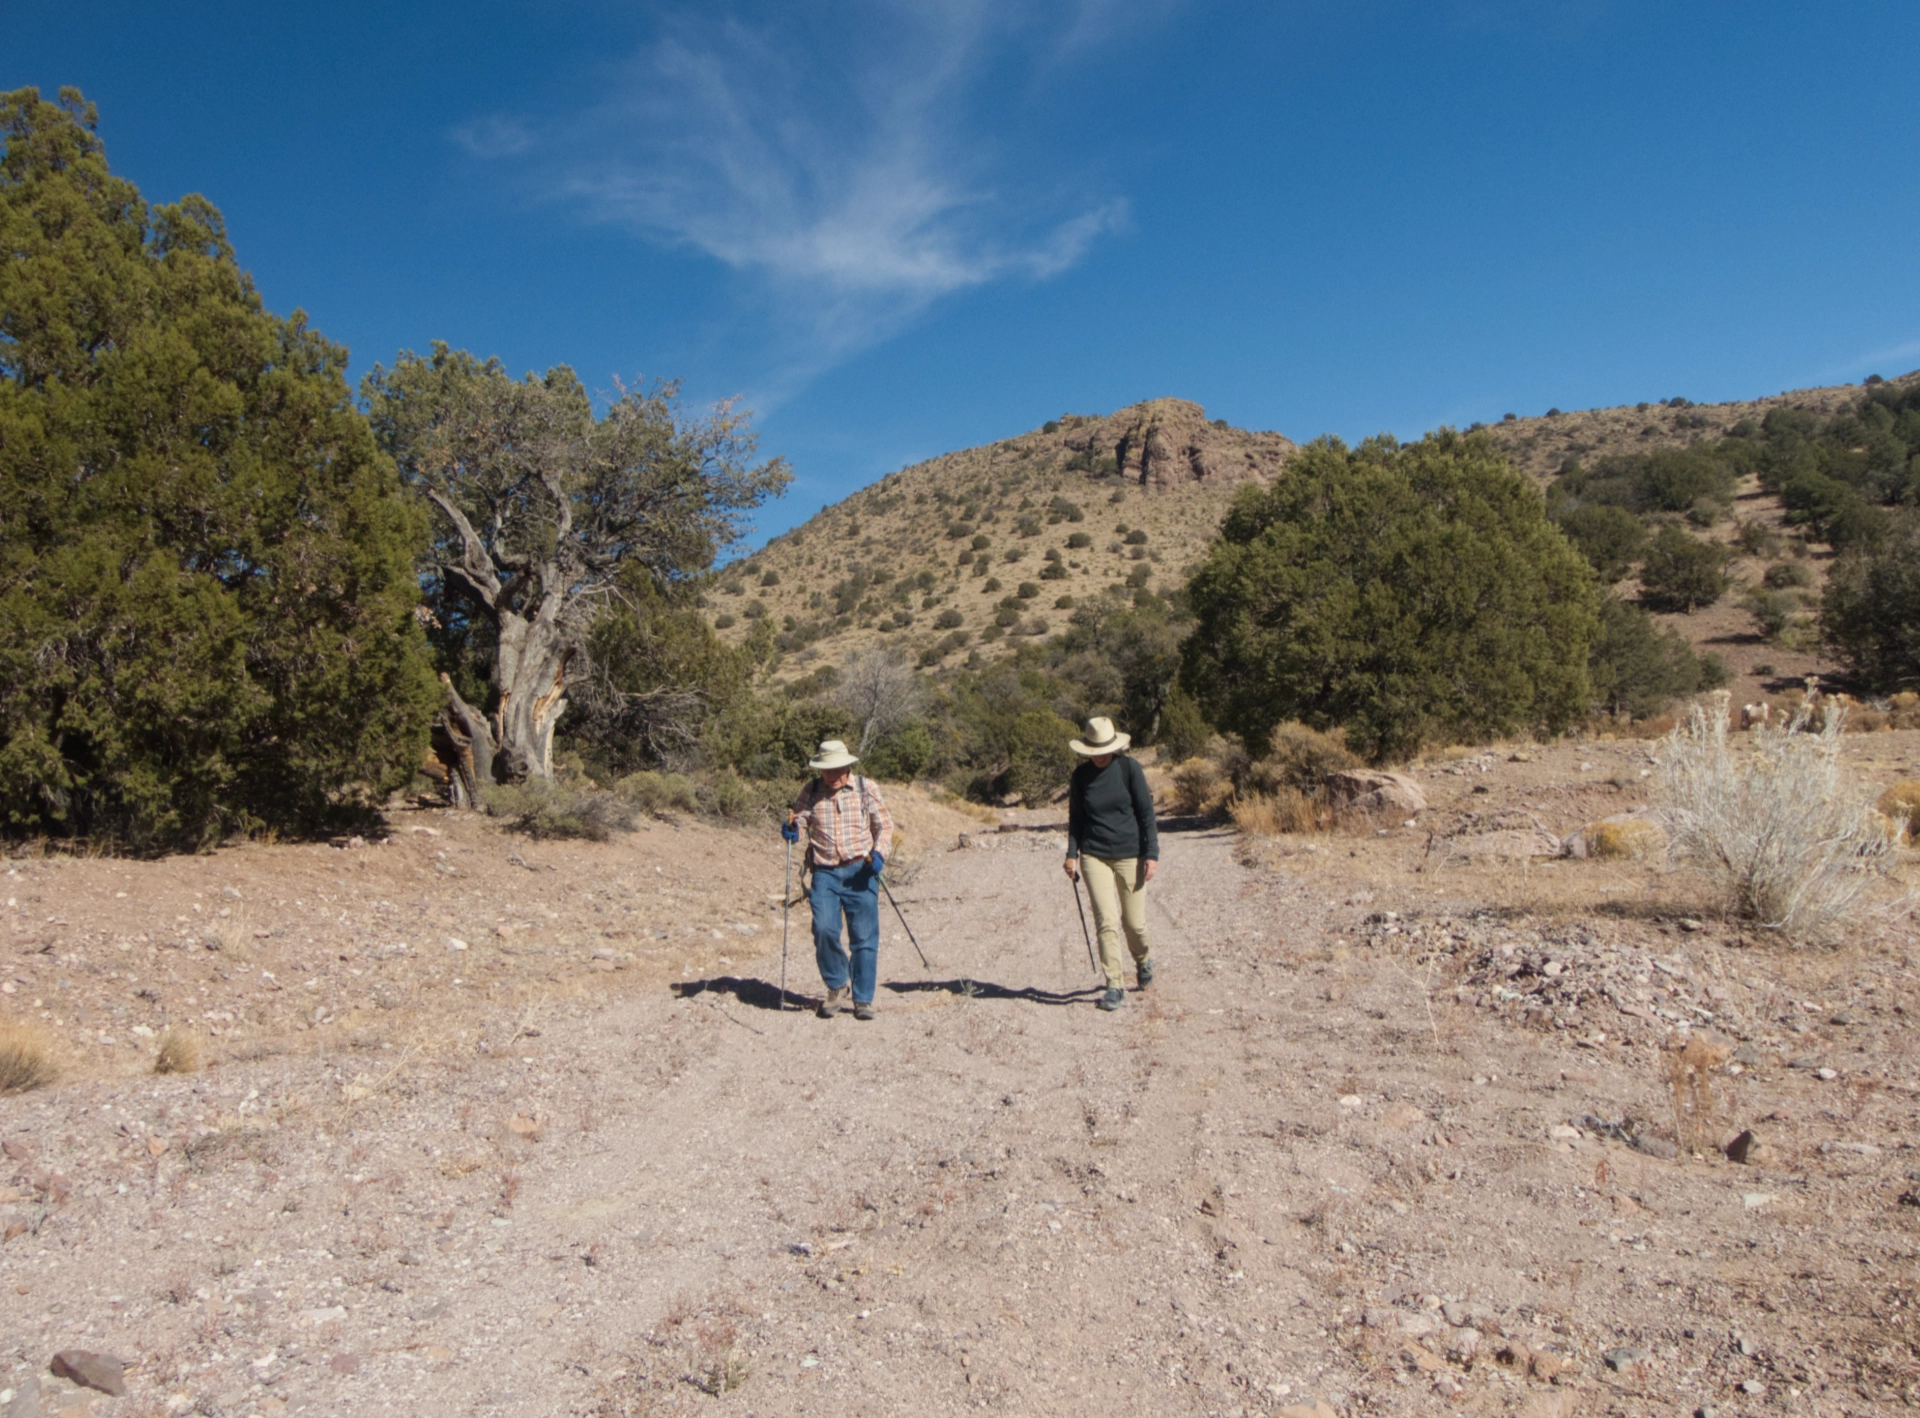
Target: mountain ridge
<point>965,555</point>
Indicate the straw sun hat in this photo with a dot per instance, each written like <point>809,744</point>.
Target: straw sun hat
<point>833,754</point>
<point>1101,737</point>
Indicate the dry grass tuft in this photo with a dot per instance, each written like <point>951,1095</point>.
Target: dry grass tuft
<point>1301,758</point>
<point>179,1052</point>
<point>26,1057</point>
<point>1777,831</point>
<point>1200,788</point>
<point>1279,813</point>
<point>1697,1115</point>
<point>1631,838</point>
<point>1900,805</point>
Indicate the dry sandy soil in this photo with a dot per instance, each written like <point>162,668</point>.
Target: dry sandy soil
<point>1392,1132</point>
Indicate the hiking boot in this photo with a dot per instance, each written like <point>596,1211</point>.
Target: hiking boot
<point>1145,969</point>
<point>1113,998</point>
<point>836,1001</point>
<point>863,1011</point>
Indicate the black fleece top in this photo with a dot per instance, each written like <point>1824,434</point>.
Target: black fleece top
<point>1110,812</point>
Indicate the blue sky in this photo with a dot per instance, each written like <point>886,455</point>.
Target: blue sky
<point>895,229</point>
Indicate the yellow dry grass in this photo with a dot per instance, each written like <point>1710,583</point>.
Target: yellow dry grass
<point>26,1057</point>
<point>1632,839</point>
<point>1200,787</point>
<point>179,1052</point>
<point>1282,812</point>
<point>1697,1113</point>
<point>1900,805</point>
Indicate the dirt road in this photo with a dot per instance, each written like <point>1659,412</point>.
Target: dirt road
<point>1325,1159</point>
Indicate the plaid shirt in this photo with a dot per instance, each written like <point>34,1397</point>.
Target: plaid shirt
<point>838,831</point>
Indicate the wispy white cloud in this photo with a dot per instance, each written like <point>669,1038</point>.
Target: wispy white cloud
<point>1894,360</point>
<point>494,137</point>
<point>848,161</point>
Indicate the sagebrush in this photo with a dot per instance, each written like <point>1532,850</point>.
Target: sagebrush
<point>1781,834</point>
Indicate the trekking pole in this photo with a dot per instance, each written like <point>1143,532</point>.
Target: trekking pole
<point>1092,959</point>
<point>903,922</point>
<point>786,910</point>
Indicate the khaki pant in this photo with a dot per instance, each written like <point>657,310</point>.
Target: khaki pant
<point>1119,899</point>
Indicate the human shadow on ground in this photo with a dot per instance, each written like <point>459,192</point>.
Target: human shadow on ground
<point>986,989</point>
<point>759,994</point>
<point>755,994</point>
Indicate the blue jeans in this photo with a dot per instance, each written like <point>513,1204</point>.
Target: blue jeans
<point>853,890</point>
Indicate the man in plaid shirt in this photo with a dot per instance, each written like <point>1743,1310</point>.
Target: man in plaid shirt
<point>849,833</point>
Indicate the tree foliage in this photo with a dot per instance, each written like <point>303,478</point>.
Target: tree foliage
<point>1610,537</point>
<point>1835,474</point>
<point>654,673</point>
<point>1681,572</point>
<point>1639,667</point>
<point>1407,594</point>
<point>1666,480</point>
<point>539,506</point>
<point>206,588</point>
<point>1870,613</point>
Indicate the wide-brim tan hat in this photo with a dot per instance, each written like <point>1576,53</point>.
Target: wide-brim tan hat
<point>1101,738</point>
<point>833,754</point>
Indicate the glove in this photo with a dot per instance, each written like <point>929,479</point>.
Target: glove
<point>879,862</point>
<point>790,831</point>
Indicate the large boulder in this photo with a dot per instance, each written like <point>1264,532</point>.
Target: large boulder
<point>1503,836</point>
<point>1390,798</point>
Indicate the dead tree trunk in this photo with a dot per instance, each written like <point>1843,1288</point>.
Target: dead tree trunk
<point>530,668</point>
<point>531,676</point>
<point>470,738</point>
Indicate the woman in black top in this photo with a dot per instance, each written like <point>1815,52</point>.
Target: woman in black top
<point>1113,842</point>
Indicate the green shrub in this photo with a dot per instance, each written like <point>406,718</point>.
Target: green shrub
<point>551,810</point>
<point>902,755</point>
<point>1078,541</point>
<point>947,619</point>
<point>1408,594</point>
<point>1610,538</point>
<point>1682,573</point>
<point>1667,480</point>
<point>788,729</point>
<point>1775,613</point>
<point>1038,759</point>
<point>1638,666</point>
<point>1870,614</point>
<point>1184,729</point>
<point>1786,575</point>
<point>657,793</point>
<point>1756,539</point>
<point>1027,590</point>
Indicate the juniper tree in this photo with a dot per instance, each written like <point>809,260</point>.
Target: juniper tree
<point>1406,594</point>
<point>206,565</point>
<point>538,507</point>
